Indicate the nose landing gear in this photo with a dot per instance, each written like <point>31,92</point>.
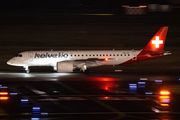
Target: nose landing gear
<point>27,69</point>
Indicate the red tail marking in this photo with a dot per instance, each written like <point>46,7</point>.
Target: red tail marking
<point>153,48</point>
<point>158,41</point>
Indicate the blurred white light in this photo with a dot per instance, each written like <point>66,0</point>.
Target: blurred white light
<point>166,100</point>
<point>118,70</point>
<point>28,75</point>
<point>53,79</point>
<point>56,91</point>
<point>155,110</point>
<point>143,78</point>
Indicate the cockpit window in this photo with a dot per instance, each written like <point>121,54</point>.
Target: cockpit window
<point>19,55</point>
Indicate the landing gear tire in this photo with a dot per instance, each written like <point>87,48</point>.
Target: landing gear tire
<point>27,71</point>
<point>86,71</point>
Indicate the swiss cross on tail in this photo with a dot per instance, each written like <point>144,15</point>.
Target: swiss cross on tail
<point>157,42</point>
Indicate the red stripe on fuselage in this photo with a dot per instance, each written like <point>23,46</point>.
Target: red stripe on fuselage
<point>144,55</point>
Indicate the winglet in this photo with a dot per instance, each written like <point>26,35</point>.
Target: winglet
<point>157,42</point>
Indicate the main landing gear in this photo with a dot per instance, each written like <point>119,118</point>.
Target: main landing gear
<point>85,69</point>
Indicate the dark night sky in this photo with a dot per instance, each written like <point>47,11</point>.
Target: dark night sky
<point>70,4</point>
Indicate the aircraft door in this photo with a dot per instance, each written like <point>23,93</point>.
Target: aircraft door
<point>30,55</point>
<point>134,55</point>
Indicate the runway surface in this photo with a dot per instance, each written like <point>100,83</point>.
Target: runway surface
<point>120,76</point>
<point>46,96</point>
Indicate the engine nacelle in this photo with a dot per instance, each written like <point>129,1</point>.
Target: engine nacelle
<point>65,67</point>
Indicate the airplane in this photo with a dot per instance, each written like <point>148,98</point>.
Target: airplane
<point>68,61</point>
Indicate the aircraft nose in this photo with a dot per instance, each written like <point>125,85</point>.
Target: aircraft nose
<point>9,62</point>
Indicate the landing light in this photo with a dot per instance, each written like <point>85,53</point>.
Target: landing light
<point>164,97</point>
<point>106,59</point>
<point>4,98</point>
<point>163,92</point>
<point>106,88</point>
<point>3,93</point>
<point>106,97</point>
<point>164,104</point>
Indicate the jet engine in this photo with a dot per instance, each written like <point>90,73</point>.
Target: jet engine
<point>65,67</point>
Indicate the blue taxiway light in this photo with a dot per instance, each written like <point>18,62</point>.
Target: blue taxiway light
<point>3,87</point>
<point>36,108</point>
<point>132,84</point>
<point>133,88</point>
<point>13,93</point>
<point>158,80</point>
<point>44,113</point>
<point>142,83</point>
<point>34,118</point>
<point>24,100</point>
<point>148,93</point>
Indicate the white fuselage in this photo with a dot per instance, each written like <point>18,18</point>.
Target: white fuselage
<point>51,58</point>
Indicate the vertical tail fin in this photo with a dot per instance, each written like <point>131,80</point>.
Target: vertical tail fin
<point>157,42</point>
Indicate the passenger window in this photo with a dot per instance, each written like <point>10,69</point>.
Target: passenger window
<point>93,55</point>
<point>78,55</point>
<point>106,54</point>
<point>110,55</point>
<point>103,54</point>
<point>89,54</point>
<point>114,55</point>
<point>100,55</point>
<point>82,55</point>
<point>97,55</point>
